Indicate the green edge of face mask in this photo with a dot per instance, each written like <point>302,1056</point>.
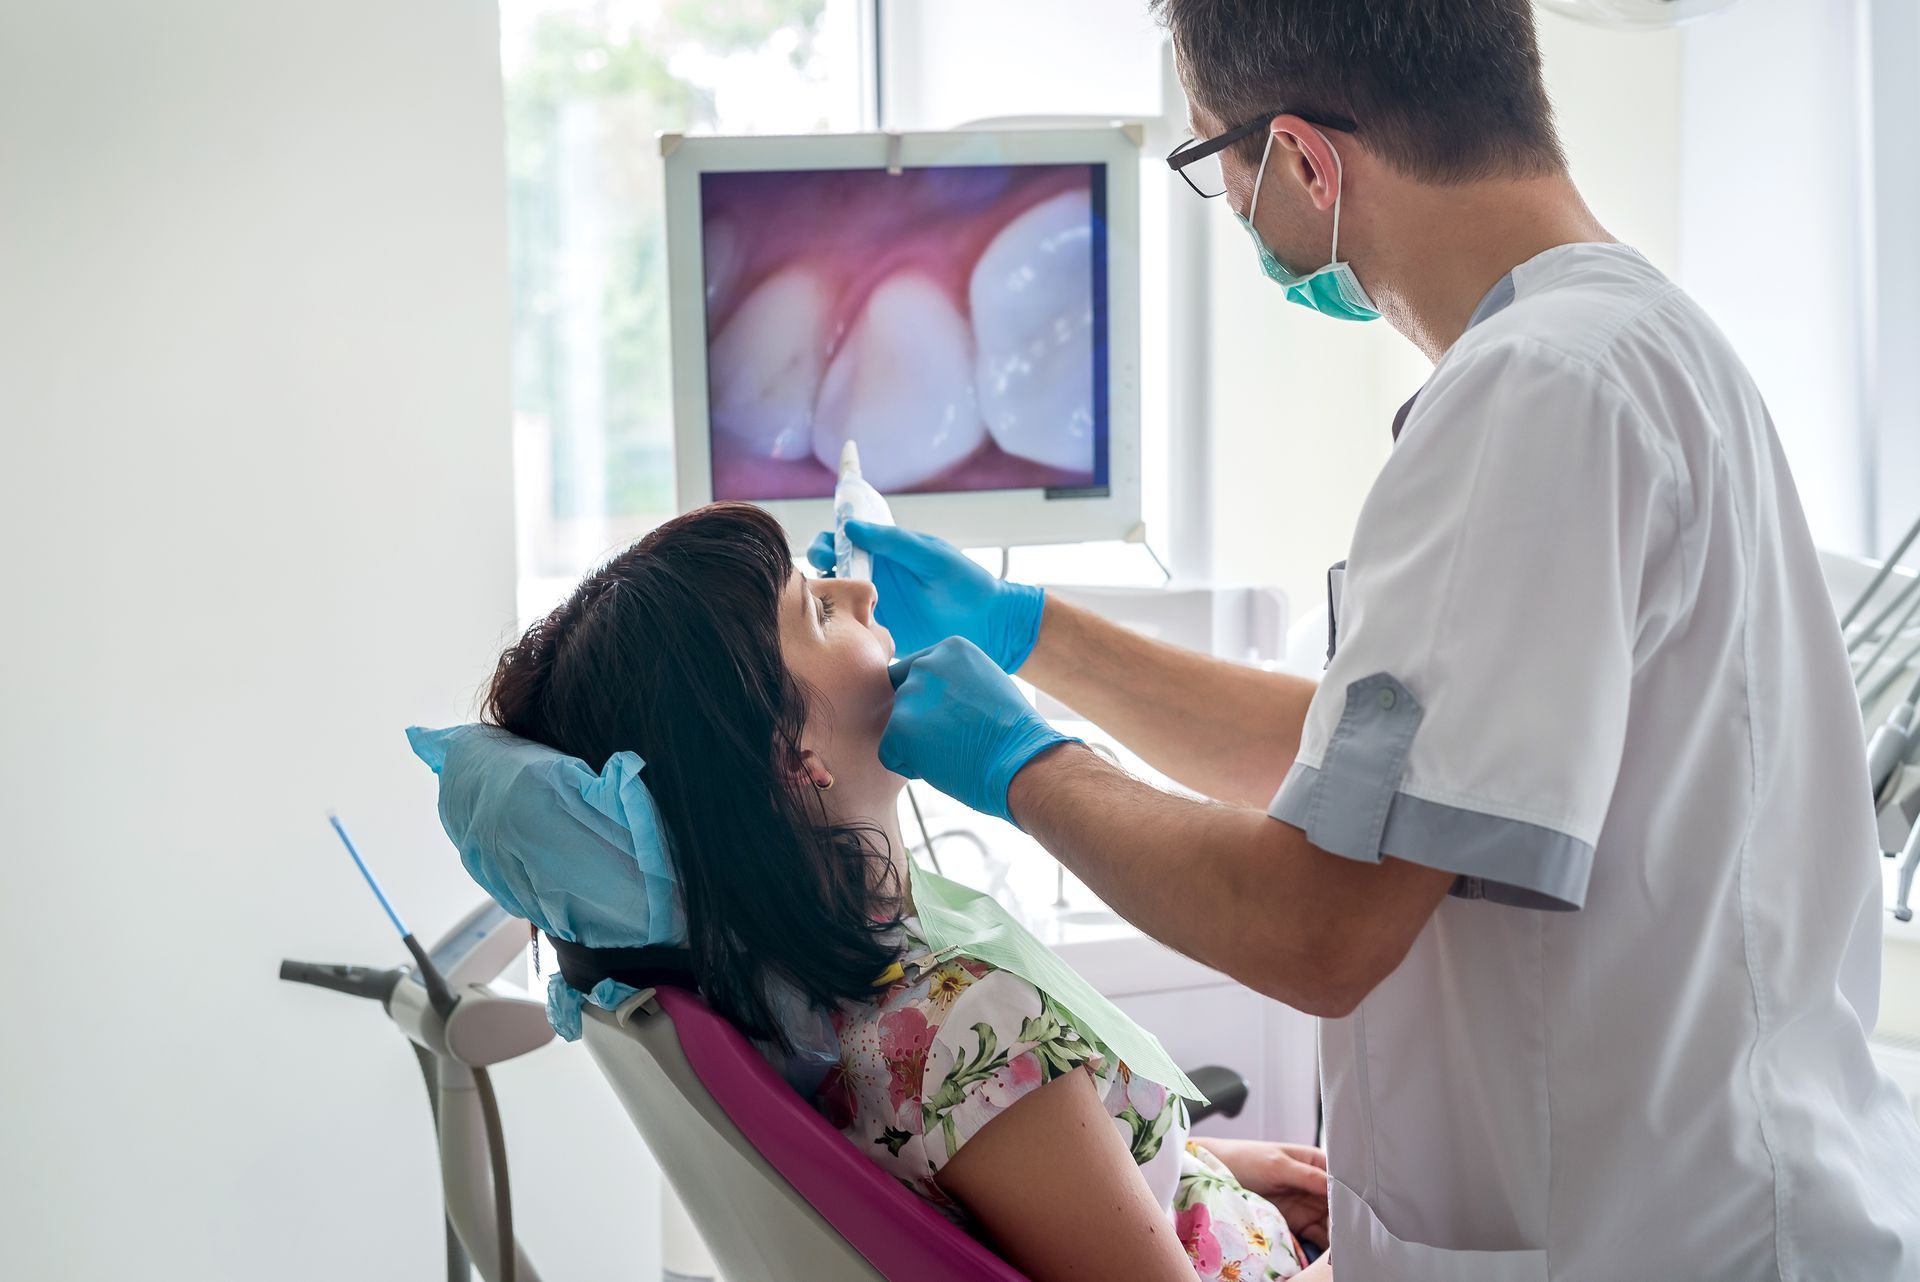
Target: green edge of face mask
<point>1333,290</point>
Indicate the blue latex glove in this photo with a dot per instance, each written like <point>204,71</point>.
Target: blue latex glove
<point>959,723</point>
<point>930,591</point>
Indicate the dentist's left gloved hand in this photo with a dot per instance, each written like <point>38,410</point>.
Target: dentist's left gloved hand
<point>930,590</point>
<point>960,723</point>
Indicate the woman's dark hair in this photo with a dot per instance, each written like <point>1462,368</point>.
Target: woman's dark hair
<point>1449,91</point>
<point>672,650</point>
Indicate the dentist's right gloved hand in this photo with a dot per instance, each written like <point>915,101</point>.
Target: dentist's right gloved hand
<point>929,591</point>
<point>959,723</point>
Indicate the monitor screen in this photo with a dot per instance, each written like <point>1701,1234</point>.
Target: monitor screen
<point>952,321</point>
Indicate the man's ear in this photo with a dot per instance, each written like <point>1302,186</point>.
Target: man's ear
<point>1302,155</point>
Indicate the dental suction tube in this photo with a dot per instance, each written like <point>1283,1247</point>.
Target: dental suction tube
<point>354,981</point>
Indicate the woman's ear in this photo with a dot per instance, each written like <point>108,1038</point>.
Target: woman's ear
<point>806,770</point>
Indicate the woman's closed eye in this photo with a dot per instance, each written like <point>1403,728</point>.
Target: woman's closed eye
<point>826,608</point>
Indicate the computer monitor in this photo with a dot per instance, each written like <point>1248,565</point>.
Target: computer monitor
<point>963,306</point>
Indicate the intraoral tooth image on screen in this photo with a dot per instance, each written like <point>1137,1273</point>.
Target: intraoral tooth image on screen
<point>951,321</point>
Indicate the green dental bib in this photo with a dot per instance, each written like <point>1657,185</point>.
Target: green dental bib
<point>959,919</point>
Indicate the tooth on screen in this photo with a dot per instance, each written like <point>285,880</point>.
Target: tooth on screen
<point>724,255</point>
<point>901,386</point>
<point>764,367</point>
<point>1032,301</point>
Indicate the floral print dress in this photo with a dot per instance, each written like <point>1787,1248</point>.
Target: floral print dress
<point>951,1044</point>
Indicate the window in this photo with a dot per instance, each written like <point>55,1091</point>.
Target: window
<point>588,85</point>
<point>1893,262</point>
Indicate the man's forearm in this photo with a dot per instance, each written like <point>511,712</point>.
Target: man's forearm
<point>1226,885</point>
<point>1222,729</point>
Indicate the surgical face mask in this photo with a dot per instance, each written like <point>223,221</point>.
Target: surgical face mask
<point>1333,290</point>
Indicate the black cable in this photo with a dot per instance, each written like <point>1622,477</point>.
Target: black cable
<point>459,1268</point>
<point>497,1154</point>
<point>925,836</point>
<point>439,996</point>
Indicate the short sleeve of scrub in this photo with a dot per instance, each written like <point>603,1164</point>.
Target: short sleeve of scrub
<point>1510,562</point>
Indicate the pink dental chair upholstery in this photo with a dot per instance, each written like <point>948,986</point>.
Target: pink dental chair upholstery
<point>778,1194</point>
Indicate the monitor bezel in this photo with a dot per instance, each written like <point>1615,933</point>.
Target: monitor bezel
<point>997,518</point>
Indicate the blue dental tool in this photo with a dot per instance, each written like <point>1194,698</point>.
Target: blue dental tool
<point>439,996</point>
<point>373,883</point>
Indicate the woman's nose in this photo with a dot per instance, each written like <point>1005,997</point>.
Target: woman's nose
<point>863,596</point>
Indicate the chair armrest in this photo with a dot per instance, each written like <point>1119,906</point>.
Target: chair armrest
<point>1225,1089</point>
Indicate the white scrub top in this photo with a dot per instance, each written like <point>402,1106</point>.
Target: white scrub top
<point>1585,660</point>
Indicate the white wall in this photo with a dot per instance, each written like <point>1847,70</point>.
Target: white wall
<point>256,517</point>
<point>1893,38</point>
<point>941,53</point>
<point>1773,231</point>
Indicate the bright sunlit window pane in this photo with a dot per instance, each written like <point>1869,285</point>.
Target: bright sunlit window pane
<point>588,85</point>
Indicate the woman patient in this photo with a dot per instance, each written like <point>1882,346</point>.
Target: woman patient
<point>757,697</point>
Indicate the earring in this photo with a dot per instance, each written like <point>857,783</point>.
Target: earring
<point>822,787</point>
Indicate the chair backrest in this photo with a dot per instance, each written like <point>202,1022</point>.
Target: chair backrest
<point>777,1193</point>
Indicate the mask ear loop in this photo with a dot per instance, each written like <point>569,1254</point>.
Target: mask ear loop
<point>1339,191</point>
<point>1260,174</point>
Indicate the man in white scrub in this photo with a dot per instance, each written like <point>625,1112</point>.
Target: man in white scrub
<point>1571,844</point>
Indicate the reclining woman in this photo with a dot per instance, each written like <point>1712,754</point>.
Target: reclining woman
<point>757,698</point>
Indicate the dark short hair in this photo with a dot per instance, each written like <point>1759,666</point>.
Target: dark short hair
<point>1448,91</point>
<point>672,650</point>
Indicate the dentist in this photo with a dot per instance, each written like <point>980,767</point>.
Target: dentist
<point>1571,845</point>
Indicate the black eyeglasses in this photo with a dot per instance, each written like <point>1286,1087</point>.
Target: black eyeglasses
<point>1198,159</point>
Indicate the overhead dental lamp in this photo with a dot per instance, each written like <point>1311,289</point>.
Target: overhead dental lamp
<point>1635,15</point>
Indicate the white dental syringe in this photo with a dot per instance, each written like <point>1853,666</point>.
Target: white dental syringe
<point>854,500</point>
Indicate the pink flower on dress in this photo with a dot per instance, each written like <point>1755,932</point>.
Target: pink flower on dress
<point>1146,1096</point>
<point>1021,1074</point>
<point>904,1032</point>
<point>1195,1227</point>
<point>1231,1238</point>
<point>905,1039</point>
<point>996,1093</point>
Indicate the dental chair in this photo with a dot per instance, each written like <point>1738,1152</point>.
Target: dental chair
<point>777,1193</point>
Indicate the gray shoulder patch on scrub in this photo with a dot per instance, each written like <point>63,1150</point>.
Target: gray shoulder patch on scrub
<point>1503,861</point>
<point>1361,768</point>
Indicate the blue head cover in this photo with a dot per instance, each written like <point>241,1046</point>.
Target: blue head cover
<point>580,855</point>
<point>583,857</point>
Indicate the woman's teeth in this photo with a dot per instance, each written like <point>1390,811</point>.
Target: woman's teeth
<point>902,386</point>
<point>1031,296</point>
<point>765,365</point>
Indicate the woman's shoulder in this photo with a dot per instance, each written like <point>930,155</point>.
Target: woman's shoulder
<point>951,1043</point>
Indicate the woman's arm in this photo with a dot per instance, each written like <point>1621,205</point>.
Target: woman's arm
<point>1059,1194</point>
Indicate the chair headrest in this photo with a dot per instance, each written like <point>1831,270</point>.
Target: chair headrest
<point>581,854</point>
